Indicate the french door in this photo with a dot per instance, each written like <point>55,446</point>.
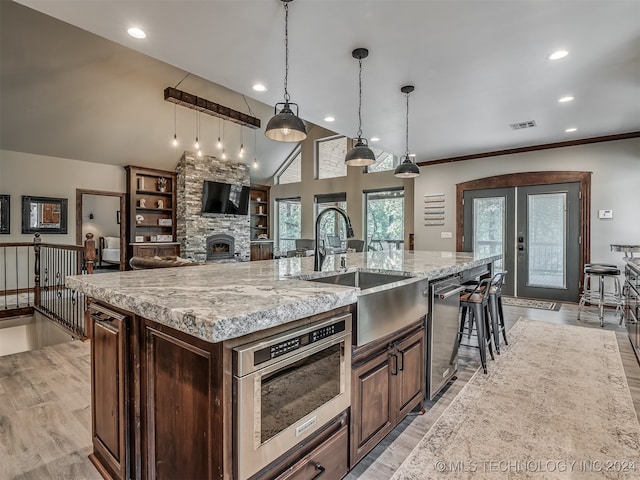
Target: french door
<point>537,231</point>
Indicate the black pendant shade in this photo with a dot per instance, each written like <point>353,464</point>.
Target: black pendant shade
<point>407,169</point>
<point>286,126</point>
<point>360,155</point>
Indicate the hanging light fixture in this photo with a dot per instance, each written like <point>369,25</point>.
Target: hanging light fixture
<point>255,150</point>
<point>360,155</point>
<point>286,126</point>
<point>407,169</point>
<point>175,133</point>
<point>224,154</point>
<point>241,154</point>
<point>197,143</point>
<point>219,141</point>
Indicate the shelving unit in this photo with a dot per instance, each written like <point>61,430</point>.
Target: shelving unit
<point>261,248</point>
<point>151,222</point>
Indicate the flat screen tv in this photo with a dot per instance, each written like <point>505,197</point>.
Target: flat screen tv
<point>228,198</point>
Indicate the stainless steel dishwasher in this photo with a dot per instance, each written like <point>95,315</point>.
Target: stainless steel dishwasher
<point>442,334</point>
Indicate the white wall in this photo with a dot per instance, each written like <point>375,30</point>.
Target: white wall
<point>615,184</point>
<point>104,222</point>
<point>38,175</point>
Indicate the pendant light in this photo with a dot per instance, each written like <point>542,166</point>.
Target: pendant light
<point>360,155</point>
<point>407,169</point>
<point>219,145</point>
<point>175,133</point>
<point>286,126</point>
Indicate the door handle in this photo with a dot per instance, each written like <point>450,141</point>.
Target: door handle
<point>401,365</point>
<point>394,364</point>
<point>449,293</point>
<point>320,470</point>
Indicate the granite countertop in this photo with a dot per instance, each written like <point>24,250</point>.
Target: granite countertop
<point>217,302</point>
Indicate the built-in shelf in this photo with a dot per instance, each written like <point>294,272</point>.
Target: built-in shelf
<point>262,248</point>
<point>144,184</point>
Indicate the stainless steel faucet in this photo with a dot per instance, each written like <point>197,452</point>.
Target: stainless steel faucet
<point>319,255</point>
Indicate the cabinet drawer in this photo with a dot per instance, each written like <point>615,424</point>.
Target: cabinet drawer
<point>328,461</point>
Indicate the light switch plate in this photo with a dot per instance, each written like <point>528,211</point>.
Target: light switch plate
<point>446,235</point>
<point>605,213</point>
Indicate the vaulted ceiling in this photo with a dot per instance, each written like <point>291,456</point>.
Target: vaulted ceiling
<point>94,93</point>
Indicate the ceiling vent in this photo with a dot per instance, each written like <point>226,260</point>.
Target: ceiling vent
<point>521,125</point>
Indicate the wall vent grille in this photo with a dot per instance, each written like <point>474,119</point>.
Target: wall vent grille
<point>521,125</point>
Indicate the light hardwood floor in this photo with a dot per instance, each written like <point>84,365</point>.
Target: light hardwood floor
<point>45,429</point>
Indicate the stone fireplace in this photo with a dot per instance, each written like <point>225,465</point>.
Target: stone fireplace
<point>208,236</point>
<point>220,247</point>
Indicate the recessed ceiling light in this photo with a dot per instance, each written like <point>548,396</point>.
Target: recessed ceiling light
<point>136,32</point>
<point>558,54</point>
<point>258,87</point>
<point>566,99</point>
<point>375,139</point>
<point>329,119</point>
<point>571,130</point>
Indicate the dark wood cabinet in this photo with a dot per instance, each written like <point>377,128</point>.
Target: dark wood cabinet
<point>151,214</point>
<point>109,392</point>
<point>153,250</point>
<point>181,405</point>
<point>388,381</point>
<point>261,250</point>
<point>329,460</point>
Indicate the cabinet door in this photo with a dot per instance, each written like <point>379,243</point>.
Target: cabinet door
<point>410,387</point>
<point>178,418</point>
<point>109,421</point>
<point>371,401</point>
<point>167,250</point>
<point>144,250</point>
<point>329,460</point>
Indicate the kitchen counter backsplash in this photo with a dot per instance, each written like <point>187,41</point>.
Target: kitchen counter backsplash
<point>221,301</point>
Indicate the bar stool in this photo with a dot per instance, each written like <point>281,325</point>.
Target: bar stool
<point>496,311</point>
<point>600,297</point>
<point>476,304</point>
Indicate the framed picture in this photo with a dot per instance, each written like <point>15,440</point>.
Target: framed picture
<point>5,219</point>
<point>44,215</point>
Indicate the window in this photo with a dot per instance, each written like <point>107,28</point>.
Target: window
<point>385,219</point>
<point>291,170</point>
<point>332,223</point>
<point>384,161</point>
<point>289,222</point>
<point>330,153</point>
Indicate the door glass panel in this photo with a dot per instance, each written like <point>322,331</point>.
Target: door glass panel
<point>547,239</point>
<point>489,227</point>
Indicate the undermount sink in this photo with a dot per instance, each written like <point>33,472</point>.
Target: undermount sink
<point>382,311</point>
<point>362,280</point>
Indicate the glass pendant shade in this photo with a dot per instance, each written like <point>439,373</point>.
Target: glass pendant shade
<point>407,169</point>
<point>286,126</point>
<point>360,155</point>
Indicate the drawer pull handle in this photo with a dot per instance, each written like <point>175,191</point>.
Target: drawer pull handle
<point>401,365</point>
<point>320,469</point>
<point>394,365</point>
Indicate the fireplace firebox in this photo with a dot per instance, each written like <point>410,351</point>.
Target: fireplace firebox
<point>220,247</point>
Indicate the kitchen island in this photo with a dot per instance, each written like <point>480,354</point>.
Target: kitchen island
<point>163,355</point>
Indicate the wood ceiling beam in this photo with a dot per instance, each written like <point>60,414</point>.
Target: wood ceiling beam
<point>203,105</point>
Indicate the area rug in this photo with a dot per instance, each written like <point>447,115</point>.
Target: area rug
<point>530,303</point>
<point>555,404</point>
